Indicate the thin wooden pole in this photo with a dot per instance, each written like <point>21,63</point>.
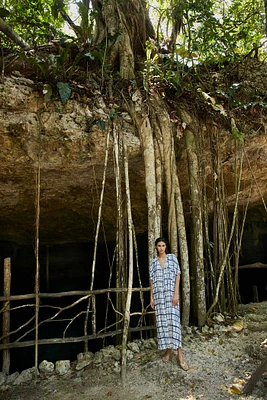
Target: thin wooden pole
<point>224,261</point>
<point>72,293</point>
<point>120,248</point>
<point>97,234</point>
<point>130,270</point>
<point>6,315</point>
<point>78,339</point>
<point>93,316</point>
<point>47,268</point>
<point>37,273</point>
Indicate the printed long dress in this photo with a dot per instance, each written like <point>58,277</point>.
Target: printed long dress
<point>167,315</point>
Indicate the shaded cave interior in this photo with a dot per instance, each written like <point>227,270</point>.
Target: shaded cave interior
<point>67,267</point>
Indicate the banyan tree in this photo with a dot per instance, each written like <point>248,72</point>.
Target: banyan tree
<point>158,62</point>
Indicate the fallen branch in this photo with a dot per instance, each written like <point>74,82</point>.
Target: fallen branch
<point>255,377</point>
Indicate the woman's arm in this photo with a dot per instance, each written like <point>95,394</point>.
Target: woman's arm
<point>175,297</point>
<point>151,295</point>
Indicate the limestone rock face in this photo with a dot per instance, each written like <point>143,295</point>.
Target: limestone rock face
<point>68,143</point>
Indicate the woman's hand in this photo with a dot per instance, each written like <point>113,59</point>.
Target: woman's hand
<point>152,305</point>
<point>175,299</point>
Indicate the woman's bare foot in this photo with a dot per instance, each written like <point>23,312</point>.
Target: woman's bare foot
<point>183,365</point>
<point>181,360</point>
<point>167,356</point>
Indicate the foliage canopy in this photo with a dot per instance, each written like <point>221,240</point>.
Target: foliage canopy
<point>185,33</point>
<point>209,30</point>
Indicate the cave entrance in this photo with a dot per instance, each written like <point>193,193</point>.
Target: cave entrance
<point>253,258</point>
<point>65,269</point>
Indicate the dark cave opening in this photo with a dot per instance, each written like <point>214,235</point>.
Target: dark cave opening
<point>64,268</point>
<point>67,267</point>
<point>252,276</point>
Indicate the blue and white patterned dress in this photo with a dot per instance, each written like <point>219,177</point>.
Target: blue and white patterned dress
<point>167,315</point>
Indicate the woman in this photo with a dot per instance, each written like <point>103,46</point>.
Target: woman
<point>164,298</point>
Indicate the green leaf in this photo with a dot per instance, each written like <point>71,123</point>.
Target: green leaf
<point>64,91</point>
<point>235,131</point>
<point>101,124</point>
<point>47,91</point>
<point>112,115</point>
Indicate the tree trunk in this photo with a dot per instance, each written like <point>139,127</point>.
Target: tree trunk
<point>164,136</point>
<point>205,161</point>
<point>162,121</point>
<point>151,185</point>
<point>122,27</point>
<point>184,257</point>
<point>197,234</point>
<point>142,122</point>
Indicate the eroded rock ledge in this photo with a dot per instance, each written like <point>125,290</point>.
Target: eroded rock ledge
<point>69,144</point>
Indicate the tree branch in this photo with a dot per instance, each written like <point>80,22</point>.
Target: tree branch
<point>9,32</point>
<point>67,18</point>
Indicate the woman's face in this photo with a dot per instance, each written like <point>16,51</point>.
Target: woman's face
<point>161,247</point>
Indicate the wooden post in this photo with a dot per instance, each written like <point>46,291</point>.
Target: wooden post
<point>93,316</point>
<point>127,315</point>
<point>47,268</point>
<point>6,315</point>
<point>255,294</point>
<point>37,272</point>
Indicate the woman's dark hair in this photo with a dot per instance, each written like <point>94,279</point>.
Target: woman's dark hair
<point>162,239</point>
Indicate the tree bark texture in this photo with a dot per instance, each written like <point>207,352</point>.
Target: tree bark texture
<point>123,27</point>
<point>197,234</point>
<point>164,137</point>
<point>184,257</point>
<point>163,121</point>
<point>143,124</point>
<point>151,185</point>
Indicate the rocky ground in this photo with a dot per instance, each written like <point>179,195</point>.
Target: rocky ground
<point>221,360</point>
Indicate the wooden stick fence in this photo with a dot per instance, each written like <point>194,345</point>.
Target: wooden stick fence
<point>6,315</point>
<point>83,295</point>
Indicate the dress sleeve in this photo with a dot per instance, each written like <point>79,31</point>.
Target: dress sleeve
<point>151,270</point>
<point>176,265</point>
